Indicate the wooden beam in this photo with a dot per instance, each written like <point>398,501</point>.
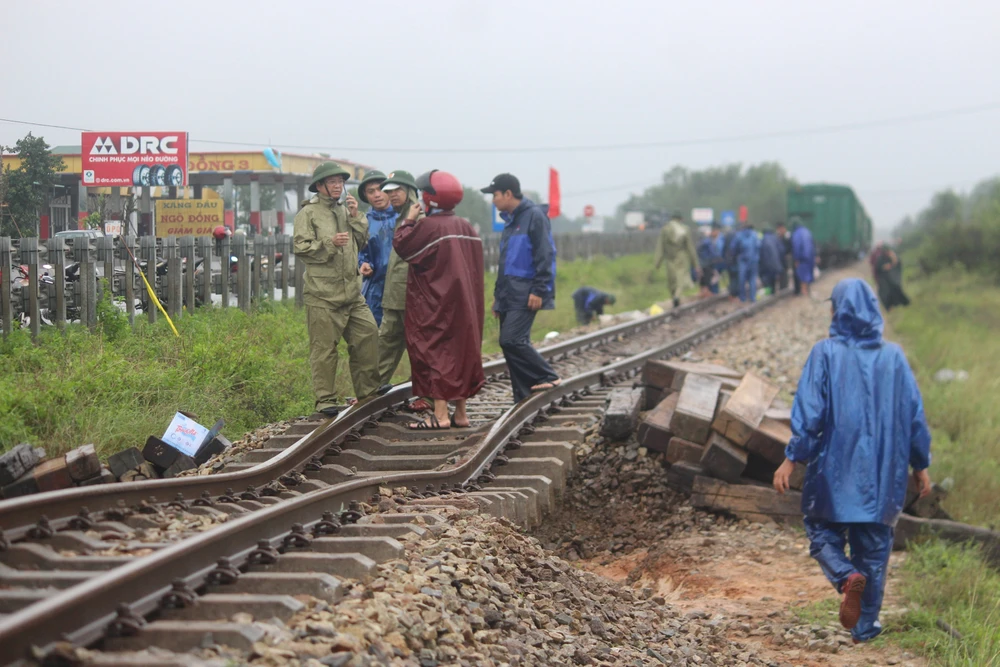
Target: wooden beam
<point>770,439</point>
<point>746,501</point>
<point>654,431</point>
<point>692,420</point>
<point>723,459</point>
<point>743,413</point>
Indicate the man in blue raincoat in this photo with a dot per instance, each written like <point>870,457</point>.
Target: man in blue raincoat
<point>803,256</point>
<point>771,264</point>
<point>746,253</point>
<point>373,259</point>
<point>858,422</point>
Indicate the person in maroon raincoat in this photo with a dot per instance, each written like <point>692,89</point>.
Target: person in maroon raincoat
<point>444,301</point>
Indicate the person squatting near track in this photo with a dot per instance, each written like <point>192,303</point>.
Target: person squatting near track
<point>373,260</point>
<point>328,234</point>
<point>526,283</point>
<point>675,247</point>
<point>858,422</point>
<point>588,302</point>
<point>803,257</point>
<point>746,253</point>
<point>445,300</point>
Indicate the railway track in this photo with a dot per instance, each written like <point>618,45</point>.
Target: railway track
<point>94,576</point>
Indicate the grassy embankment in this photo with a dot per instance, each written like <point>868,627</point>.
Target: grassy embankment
<point>115,387</point>
<point>952,323</point>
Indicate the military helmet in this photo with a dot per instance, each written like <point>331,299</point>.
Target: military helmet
<point>326,170</point>
<point>399,178</point>
<point>371,176</point>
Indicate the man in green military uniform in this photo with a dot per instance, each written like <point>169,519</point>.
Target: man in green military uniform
<point>328,235</point>
<point>402,190</point>
<point>676,247</point>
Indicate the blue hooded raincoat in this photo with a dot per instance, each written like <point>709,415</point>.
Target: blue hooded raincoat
<point>381,227</point>
<point>858,419</point>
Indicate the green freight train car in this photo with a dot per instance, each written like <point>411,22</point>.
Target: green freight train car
<point>839,224</point>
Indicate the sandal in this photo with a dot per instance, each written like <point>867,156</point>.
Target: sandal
<point>434,425</point>
<point>545,386</point>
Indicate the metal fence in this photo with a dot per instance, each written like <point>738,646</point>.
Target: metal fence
<point>56,282</point>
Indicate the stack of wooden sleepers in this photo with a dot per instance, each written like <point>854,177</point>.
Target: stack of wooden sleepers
<point>723,433</point>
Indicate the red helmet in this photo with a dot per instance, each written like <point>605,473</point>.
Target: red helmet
<point>440,190</point>
<point>219,233</point>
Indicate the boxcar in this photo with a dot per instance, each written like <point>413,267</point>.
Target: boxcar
<point>839,224</point>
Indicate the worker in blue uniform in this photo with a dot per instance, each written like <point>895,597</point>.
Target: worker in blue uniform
<point>771,260</point>
<point>746,253</point>
<point>858,423</point>
<point>711,259</point>
<point>588,301</point>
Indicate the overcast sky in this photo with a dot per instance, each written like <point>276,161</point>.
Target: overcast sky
<point>469,74</point>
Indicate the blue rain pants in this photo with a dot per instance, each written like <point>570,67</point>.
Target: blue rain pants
<point>748,281</point>
<point>871,544</point>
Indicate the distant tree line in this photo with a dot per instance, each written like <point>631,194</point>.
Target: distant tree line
<point>761,188</point>
<point>956,228</point>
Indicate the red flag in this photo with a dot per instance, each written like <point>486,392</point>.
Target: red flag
<point>554,197</point>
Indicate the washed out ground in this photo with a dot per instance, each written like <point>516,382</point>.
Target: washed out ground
<point>620,521</point>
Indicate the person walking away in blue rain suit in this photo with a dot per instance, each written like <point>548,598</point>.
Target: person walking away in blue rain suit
<point>526,283</point>
<point>858,423</point>
<point>771,264</point>
<point>373,260</point>
<point>731,267</point>
<point>746,252</point>
<point>710,256</point>
<point>588,302</point>
<point>803,256</point>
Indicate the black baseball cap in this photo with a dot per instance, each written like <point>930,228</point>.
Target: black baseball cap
<point>503,183</point>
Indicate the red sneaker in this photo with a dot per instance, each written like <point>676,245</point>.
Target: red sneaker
<point>850,606</point>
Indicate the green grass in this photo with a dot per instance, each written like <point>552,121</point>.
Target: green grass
<point>950,583</point>
<point>953,323</point>
<point>115,387</point>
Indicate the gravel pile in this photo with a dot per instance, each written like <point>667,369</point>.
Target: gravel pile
<point>482,593</point>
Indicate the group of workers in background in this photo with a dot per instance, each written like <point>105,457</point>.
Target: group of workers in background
<point>408,274</point>
<point>747,258</point>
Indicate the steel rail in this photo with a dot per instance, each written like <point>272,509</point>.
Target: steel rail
<point>80,614</point>
<point>17,515</point>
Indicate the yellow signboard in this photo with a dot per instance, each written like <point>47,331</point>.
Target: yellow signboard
<point>188,217</point>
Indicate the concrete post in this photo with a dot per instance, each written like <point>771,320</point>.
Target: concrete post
<point>227,269</point>
<point>279,204</point>
<point>29,256</point>
<point>175,288</point>
<point>147,246</point>
<point>255,251</point>
<point>285,242</point>
<point>57,257</point>
<point>269,251</point>
<point>242,272</point>
<point>205,252</point>
<point>88,282</point>
<point>129,278</point>
<point>116,207</point>
<point>106,256</point>
<point>6,307</point>
<point>188,259</point>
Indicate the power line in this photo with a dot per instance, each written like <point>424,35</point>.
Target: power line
<point>671,143</point>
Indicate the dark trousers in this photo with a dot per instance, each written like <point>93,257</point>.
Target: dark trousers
<point>734,281</point>
<point>526,367</point>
